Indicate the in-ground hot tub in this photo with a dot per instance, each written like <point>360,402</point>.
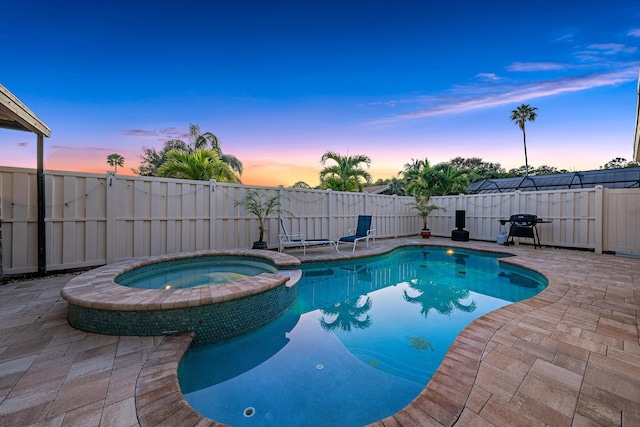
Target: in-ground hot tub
<point>214,311</point>
<point>193,272</point>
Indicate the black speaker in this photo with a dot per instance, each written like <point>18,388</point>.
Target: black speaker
<point>460,217</point>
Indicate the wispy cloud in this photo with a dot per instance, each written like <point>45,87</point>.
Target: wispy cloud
<point>634,32</point>
<point>487,76</point>
<point>477,98</point>
<point>567,36</point>
<point>391,103</point>
<point>22,144</point>
<point>161,135</point>
<point>536,66</point>
<point>72,148</point>
<point>139,132</point>
<point>604,53</point>
<point>611,48</point>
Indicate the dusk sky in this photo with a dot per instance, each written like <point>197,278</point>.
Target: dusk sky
<point>282,82</point>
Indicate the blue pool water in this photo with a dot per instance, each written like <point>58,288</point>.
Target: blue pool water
<point>362,341</point>
<point>194,272</point>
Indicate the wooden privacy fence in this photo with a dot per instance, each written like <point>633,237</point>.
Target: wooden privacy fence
<point>597,219</point>
<point>95,219</point>
<point>573,215</point>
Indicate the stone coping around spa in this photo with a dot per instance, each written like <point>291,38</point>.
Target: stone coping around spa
<point>97,288</point>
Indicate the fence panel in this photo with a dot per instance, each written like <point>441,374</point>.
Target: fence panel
<point>155,216</point>
<point>622,220</point>
<point>75,220</point>
<point>226,216</point>
<point>18,200</point>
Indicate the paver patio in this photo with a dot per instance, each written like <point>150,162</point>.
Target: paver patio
<point>569,356</point>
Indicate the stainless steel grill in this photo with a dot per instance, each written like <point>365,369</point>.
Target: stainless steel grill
<point>523,225</point>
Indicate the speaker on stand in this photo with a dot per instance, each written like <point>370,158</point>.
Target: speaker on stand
<point>460,234</point>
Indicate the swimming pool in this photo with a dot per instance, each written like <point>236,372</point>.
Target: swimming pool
<point>361,342</point>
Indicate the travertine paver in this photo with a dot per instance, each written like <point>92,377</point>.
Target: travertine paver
<point>569,356</point>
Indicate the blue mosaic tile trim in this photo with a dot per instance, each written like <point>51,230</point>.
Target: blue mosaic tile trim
<point>212,323</point>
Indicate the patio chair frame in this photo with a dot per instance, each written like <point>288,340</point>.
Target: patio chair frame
<point>286,239</point>
<point>358,233</point>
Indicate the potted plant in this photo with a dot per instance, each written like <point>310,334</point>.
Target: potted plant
<point>260,205</point>
<point>424,209</point>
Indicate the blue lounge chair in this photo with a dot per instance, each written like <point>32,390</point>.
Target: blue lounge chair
<point>299,240</point>
<point>362,232</point>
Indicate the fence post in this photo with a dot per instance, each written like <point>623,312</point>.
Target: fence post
<point>396,215</point>
<point>213,214</point>
<point>281,195</point>
<point>331,212</point>
<point>367,204</point>
<point>599,223</point>
<point>110,228</point>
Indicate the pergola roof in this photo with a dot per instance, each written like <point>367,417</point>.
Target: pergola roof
<point>15,115</point>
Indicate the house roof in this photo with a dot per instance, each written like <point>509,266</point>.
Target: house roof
<point>376,189</point>
<point>15,115</point>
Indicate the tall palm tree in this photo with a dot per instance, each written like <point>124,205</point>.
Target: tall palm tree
<point>199,140</point>
<point>423,180</point>
<point>208,140</point>
<point>151,160</point>
<point>521,115</point>
<point>419,185</point>
<point>397,186</point>
<point>115,160</point>
<point>347,174</point>
<point>446,179</point>
<point>414,168</point>
<point>201,165</point>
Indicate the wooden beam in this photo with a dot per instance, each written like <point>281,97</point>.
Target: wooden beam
<point>636,143</point>
<point>42,238</point>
